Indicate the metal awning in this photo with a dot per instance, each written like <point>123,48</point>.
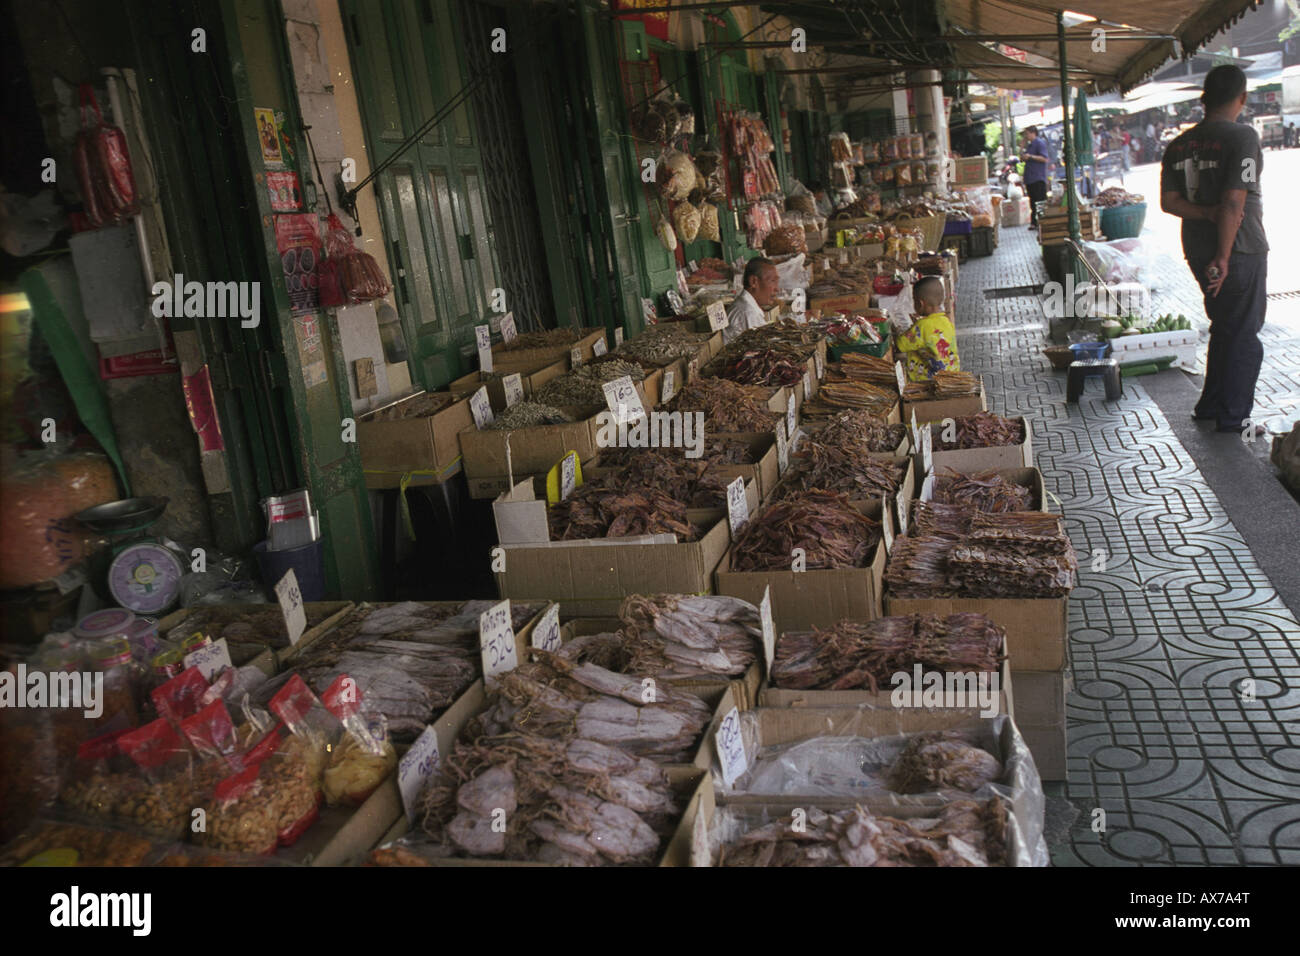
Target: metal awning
<point>1139,37</point>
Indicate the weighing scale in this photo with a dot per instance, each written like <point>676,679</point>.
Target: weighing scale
<point>142,574</point>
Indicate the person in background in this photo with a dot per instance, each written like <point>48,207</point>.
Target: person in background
<point>822,201</point>
<point>1210,178</point>
<point>1035,157</point>
<point>760,282</point>
<point>930,345</point>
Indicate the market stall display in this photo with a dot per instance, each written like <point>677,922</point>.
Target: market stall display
<point>833,533</point>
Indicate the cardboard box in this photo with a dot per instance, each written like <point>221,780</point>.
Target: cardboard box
<point>777,697</point>
<point>1030,478</point>
<point>590,578</point>
<point>1015,212</point>
<point>851,302</point>
<point>971,171</point>
<point>1036,627</point>
<point>764,470</point>
<point>814,598</point>
<point>1048,746</point>
<point>531,380</point>
<point>969,461</point>
<point>937,411</point>
<point>491,486</point>
<point>1042,697</point>
<point>753,495</point>
<point>519,360</point>
<point>264,655</point>
<point>492,452</point>
<point>391,449</point>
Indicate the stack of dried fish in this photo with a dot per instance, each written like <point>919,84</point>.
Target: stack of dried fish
<point>832,533</point>
<point>547,338</point>
<point>556,697</point>
<point>982,430</point>
<point>935,518</point>
<point>843,468</point>
<point>944,385</point>
<point>962,833</point>
<point>942,760</point>
<point>774,366</point>
<point>860,395</point>
<point>528,415</point>
<point>853,655</point>
<point>717,451</point>
<point>696,482</point>
<point>410,660</point>
<point>663,344</point>
<point>727,406</point>
<point>420,406</point>
<point>585,385</point>
<point>987,491</point>
<point>675,636</point>
<point>802,338</point>
<point>595,510</point>
<point>918,567</point>
<point>860,367</point>
<point>857,427</point>
<point>567,802</point>
<point>1014,555</point>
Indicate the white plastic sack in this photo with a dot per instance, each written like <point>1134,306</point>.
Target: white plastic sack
<point>793,273</point>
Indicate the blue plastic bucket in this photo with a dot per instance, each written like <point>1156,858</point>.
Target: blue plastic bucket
<point>307,562</point>
<point>1089,350</point>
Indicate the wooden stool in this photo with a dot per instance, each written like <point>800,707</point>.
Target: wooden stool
<point>1084,369</point>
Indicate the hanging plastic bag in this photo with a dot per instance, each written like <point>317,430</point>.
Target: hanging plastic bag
<point>709,223</point>
<point>356,273</point>
<point>103,166</point>
<point>686,220</point>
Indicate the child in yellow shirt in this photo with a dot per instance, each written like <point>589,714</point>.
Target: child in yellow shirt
<point>930,345</point>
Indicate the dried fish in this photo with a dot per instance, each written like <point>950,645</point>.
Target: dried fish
<point>962,833</point>
<point>848,469</point>
<point>663,344</point>
<point>857,427</point>
<point>585,385</point>
<point>775,366</point>
<point>982,430</point>
<point>852,655</point>
<point>942,760</point>
<point>945,385</point>
<point>987,491</point>
<point>832,533</point>
<point>727,406</point>
<point>596,510</point>
<point>420,406</point>
<point>860,367</point>
<point>547,338</point>
<point>860,395</point>
<point>529,415</point>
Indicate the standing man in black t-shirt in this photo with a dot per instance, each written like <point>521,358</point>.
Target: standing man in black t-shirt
<point>1210,179</point>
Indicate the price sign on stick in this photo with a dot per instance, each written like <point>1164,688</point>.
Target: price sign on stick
<point>575,356</point>
<point>290,598</point>
<point>415,769</point>
<point>483,336</point>
<point>508,331</point>
<point>916,432</point>
<point>623,400</point>
<point>731,748</point>
<point>599,346</point>
<point>669,387</point>
<point>496,640</point>
<point>568,475</point>
<point>821,364</point>
<point>782,447</point>
<point>618,336</point>
<point>717,313</point>
<point>789,415</point>
<point>902,511</point>
<point>927,449</point>
<point>886,535</point>
<point>480,407</point>
<point>514,388</point>
<point>546,634</point>
<point>902,378</point>
<point>737,506</point>
<point>769,627</point>
<point>807,386</point>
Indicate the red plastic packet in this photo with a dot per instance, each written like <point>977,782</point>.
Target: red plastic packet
<point>355,273</point>
<point>211,733</point>
<point>303,713</point>
<point>180,697</point>
<point>103,165</point>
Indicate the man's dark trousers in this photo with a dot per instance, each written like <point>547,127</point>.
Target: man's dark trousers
<point>1236,316</point>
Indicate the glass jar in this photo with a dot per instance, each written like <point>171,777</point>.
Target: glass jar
<point>111,657</point>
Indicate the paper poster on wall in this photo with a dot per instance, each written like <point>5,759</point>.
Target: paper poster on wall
<point>285,193</point>
<point>202,408</point>
<point>297,239</point>
<point>268,136</point>
<point>311,355</point>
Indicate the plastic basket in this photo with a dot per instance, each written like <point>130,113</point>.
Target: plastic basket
<point>1089,350</point>
<point>878,349</point>
<point>981,241</point>
<point>1123,222</point>
<point>930,227</point>
<point>957,227</point>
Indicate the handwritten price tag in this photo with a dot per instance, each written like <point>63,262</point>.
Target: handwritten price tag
<point>737,506</point>
<point>902,377</point>
<point>483,336</point>
<point>692,371</point>
<point>731,748</point>
<point>821,364</point>
<point>599,346</point>
<point>622,398</point>
<point>514,387</point>
<point>789,414</point>
<point>575,356</point>
<point>480,407</point>
<point>568,475</point>
<point>782,447</point>
<point>618,336</point>
<point>546,634</point>
<point>927,487</point>
<point>210,659</point>
<point>717,313</point>
<point>496,640</point>
<point>886,534</point>
<point>701,855</point>
<point>769,627</point>
<point>669,388</point>
<point>807,386</point>
<point>416,768</point>
<point>902,512</point>
<point>508,331</point>
<point>916,431</point>
<point>927,450</point>
<point>290,598</point>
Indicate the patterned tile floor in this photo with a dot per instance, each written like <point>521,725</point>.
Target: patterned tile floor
<point>1174,617</point>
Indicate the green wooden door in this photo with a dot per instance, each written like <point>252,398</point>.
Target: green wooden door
<point>432,198</point>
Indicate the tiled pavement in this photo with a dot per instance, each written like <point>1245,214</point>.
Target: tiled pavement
<point>1175,616</point>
